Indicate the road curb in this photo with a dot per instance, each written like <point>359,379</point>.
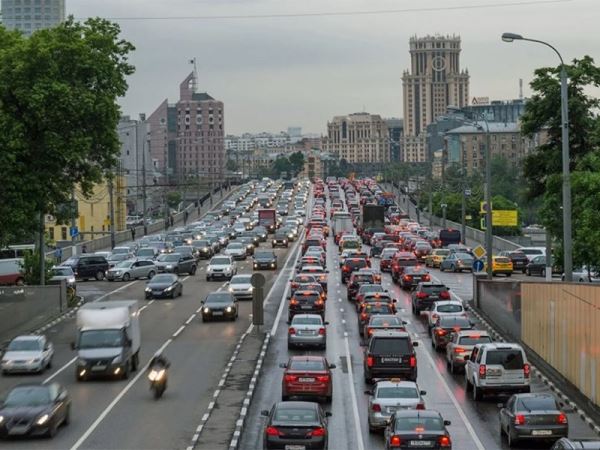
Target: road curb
<point>563,398</point>
<point>67,314</point>
<point>241,421</point>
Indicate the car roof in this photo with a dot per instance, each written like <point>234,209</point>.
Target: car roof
<point>500,346</point>
<point>296,404</point>
<point>28,337</point>
<point>448,302</point>
<point>307,357</point>
<point>390,334</point>
<point>472,333</point>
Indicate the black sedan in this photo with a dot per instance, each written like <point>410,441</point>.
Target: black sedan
<point>532,417</point>
<point>265,259</point>
<point>280,239</point>
<point>34,410</point>
<point>164,285</point>
<point>219,305</point>
<point>412,276</point>
<point>296,425</point>
<point>414,428</point>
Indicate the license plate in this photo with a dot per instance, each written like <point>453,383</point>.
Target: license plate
<point>494,372</point>
<point>295,447</point>
<point>18,430</point>
<point>98,368</point>
<point>421,443</point>
<point>389,360</point>
<point>217,313</point>
<point>541,432</point>
<point>306,307</point>
<point>305,332</point>
<point>306,380</point>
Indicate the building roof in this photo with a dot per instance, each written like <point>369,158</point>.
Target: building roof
<point>495,127</point>
<point>200,96</point>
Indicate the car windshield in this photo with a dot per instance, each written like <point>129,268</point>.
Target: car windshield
<point>61,271</point>
<point>217,297</point>
<point>145,252</point>
<point>124,264</point>
<point>463,256</point>
<point>442,252</point>
<point>162,278</point>
<point>264,255</point>
<point>100,339</point>
<point>298,414</point>
<point>220,261</point>
<point>449,308</point>
<point>472,340</point>
<point>28,396</point>
<point>419,424</point>
<point>390,346</point>
<point>397,392</point>
<point>306,321</point>
<point>366,288</point>
<point>172,257</point>
<point>201,244</point>
<point>241,279</point>
<point>536,403</point>
<point>306,364</point>
<point>434,289</point>
<point>24,345</point>
<point>235,246</point>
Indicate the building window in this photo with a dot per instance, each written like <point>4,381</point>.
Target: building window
<point>63,233</point>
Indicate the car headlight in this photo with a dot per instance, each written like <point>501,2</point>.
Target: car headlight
<point>148,289</point>
<point>204,249</point>
<point>71,280</point>
<point>116,359</point>
<point>43,419</point>
<point>229,309</point>
<point>285,241</point>
<point>170,288</point>
<point>206,310</point>
<point>34,361</point>
<point>117,272</point>
<point>1,419</point>
<point>251,288</point>
<point>273,264</point>
<point>169,266</point>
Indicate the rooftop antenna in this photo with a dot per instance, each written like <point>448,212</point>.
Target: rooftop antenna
<point>520,88</point>
<point>195,77</point>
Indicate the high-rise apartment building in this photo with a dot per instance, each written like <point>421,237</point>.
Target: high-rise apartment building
<point>434,81</point>
<point>31,15</point>
<point>358,138</point>
<point>187,138</point>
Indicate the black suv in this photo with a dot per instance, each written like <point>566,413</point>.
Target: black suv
<point>265,259</point>
<point>390,354</point>
<point>306,302</point>
<point>280,239</point>
<point>88,266</point>
<point>426,294</point>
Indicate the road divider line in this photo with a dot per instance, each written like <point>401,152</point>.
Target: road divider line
<point>357,424</point>
<point>102,297</point>
<point>62,369</point>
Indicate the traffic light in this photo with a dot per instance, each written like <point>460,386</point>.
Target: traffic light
<point>483,207</point>
<point>482,223</point>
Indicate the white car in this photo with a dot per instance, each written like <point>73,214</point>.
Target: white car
<point>445,308</point>
<point>30,353</point>
<point>389,396</point>
<point>241,287</point>
<point>236,250</point>
<point>221,267</point>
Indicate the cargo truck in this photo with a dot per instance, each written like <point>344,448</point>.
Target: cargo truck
<point>372,221</point>
<point>267,218</point>
<point>108,339</point>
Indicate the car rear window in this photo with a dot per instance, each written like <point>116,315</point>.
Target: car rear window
<point>536,404</point>
<point>419,424</point>
<point>306,321</point>
<point>363,278</point>
<point>299,415</point>
<point>312,296</point>
<point>308,365</point>
<point>502,260</point>
<point>449,308</point>
<point>356,263</point>
<point>509,359</point>
<point>450,322</point>
<point>472,340</point>
<point>385,321</point>
<point>434,289</point>
<point>397,392</point>
<point>407,262</point>
<point>390,346</point>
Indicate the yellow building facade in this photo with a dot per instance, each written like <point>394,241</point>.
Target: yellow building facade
<point>94,213</point>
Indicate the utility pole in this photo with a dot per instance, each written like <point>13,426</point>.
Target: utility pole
<point>112,211</point>
<point>145,208</point>
<point>73,218</point>
<point>42,248</point>
<point>488,200</point>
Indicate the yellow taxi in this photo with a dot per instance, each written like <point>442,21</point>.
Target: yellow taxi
<point>500,265</point>
<point>435,258</point>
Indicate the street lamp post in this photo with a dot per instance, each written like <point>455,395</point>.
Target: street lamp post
<point>566,187</point>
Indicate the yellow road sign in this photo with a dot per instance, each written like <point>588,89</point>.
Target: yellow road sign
<point>479,252</point>
<point>504,218</point>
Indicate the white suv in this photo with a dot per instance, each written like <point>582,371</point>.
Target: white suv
<point>221,266</point>
<point>497,367</point>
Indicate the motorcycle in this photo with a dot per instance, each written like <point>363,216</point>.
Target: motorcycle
<point>158,381</point>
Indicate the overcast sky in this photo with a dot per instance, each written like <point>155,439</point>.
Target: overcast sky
<point>272,73</point>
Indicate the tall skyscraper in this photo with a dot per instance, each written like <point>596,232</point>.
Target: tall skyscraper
<point>31,15</point>
<point>434,82</point>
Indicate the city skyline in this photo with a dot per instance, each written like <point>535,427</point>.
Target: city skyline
<point>302,71</point>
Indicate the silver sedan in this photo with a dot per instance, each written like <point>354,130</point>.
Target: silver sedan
<point>30,353</point>
<point>307,330</point>
<point>241,287</point>
<point>391,395</point>
<point>131,270</point>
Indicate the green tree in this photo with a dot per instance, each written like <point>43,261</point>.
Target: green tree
<point>543,168</point>
<point>173,199</point>
<point>58,116</point>
<point>297,161</point>
<point>281,165</point>
<point>231,165</point>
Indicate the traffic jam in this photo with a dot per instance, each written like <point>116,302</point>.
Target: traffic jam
<point>365,301</point>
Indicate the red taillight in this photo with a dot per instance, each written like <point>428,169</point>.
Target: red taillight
<point>407,277</point>
<point>420,405</point>
<point>346,269</point>
<point>444,441</point>
<point>294,285</point>
<point>320,431</point>
<point>422,295</point>
<point>519,419</point>
<point>323,378</point>
<point>441,332</point>
<point>322,331</point>
<point>370,361</point>
<point>413,361</point>
<point>526,370</point>
<point>482,371</point>
<point>369,331</point>
<point>319,303</point>
<point>562,419</point>
<point>363,316</point>
<point>272,431</point>
<point>426,278</point>
<point>459,350</point>
<point>376,407</point>
<point>293,301</point>
<point>289,378</point>
<point>395,441</point>
<point>445,295</point>
<point>291,330</point>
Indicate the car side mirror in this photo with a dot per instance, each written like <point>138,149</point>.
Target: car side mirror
<point>265,412</point>
<point>500,405</point>
<point>369,392</point>
<point>467,358</point>
<point>447,423</point>
<point>326,323</point>
<point>332,366</point>
<point>404,322</point>
<point>415,344</point>
<point>73,346</point>
<point>394,300</point>
<point>328,414</point>
<point>283,365</point>
<point>423,392</point>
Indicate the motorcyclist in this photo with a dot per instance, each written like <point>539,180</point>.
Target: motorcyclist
<point>158,362</point>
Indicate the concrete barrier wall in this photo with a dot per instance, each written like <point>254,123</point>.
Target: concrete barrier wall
<point>561,323</point>
<point>25,308</point>
<point>501,302</point>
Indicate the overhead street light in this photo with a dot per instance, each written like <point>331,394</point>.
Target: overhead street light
<point>566,187</point>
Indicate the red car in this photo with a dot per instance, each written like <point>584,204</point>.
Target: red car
<point>400,261</point>
<point>307,376</point>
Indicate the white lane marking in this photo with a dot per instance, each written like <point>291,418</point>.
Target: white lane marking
<point>460,411</point>
<point>99,299</point>
<point>357,424</point>
<point>112,404</point>
<point>179,330</point>
<point>55,374</point>
<point>187,322</point>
